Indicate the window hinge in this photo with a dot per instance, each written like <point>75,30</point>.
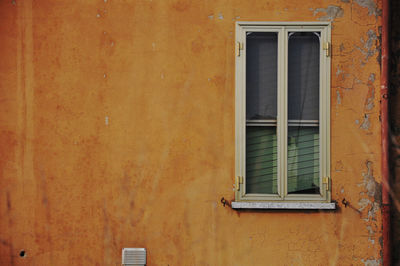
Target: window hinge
<point>327,48</point>
<point>239,46</point>
<point>325,180</point>
<point>238,181</point>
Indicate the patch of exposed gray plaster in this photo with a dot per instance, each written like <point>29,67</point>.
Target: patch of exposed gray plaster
<point>372,37</point>
<point>372,211</point>
<point>332,12</point>
<point>357,121</point>
<point>369,45</point>
<point>370,100</point>
<point>338,98</point>
<point>373,187</point>
<point>371,233</point>
<point>366,123</point>
<point>363,203</point>
<point>339,71</point>
<point>371,262</point>
<point>371,5</point>
<point>220,16</point>
<point>211,16</point>
<point>370,103</point>
<point>371,77</point>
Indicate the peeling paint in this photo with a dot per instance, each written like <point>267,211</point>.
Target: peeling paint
<point>366,123</point>
<point>339,71</point>
<point>371,262</point>
<point>371,5</point>
<point>106,120</point>
<point>332,12</point>
<point>371,77</point>
<point>373,190</point>
<point>220,16</point>
<point>373,187</point>
<point>363,202</point>
<point>369,45</point>
<point>369,102</point>
<point>373,211</point>
<point>371,233</point>
<point>338,99</point>
<point>211,16</point>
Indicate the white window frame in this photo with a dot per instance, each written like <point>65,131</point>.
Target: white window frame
<point>283,199</point>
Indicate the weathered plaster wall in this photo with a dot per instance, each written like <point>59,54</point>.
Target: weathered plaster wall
<point>117,130</point>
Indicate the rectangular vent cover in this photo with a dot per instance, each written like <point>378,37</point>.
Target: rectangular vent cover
<point>133,256</point>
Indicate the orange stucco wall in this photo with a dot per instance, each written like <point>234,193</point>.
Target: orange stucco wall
<point>117,130</point>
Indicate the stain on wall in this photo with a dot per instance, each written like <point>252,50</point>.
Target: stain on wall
<point>117,130</point>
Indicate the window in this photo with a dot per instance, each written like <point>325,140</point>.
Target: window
<point>282,114</point>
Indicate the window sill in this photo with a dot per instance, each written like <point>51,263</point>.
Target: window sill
<point>284,205</point>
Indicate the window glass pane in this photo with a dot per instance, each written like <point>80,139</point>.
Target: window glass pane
<point>303,76</point>
<point>303,113</point>
<point>261,159</point>
<point>261,109</point>
<point>261,74</point>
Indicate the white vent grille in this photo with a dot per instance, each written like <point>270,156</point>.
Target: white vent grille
<point>133,256</point>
